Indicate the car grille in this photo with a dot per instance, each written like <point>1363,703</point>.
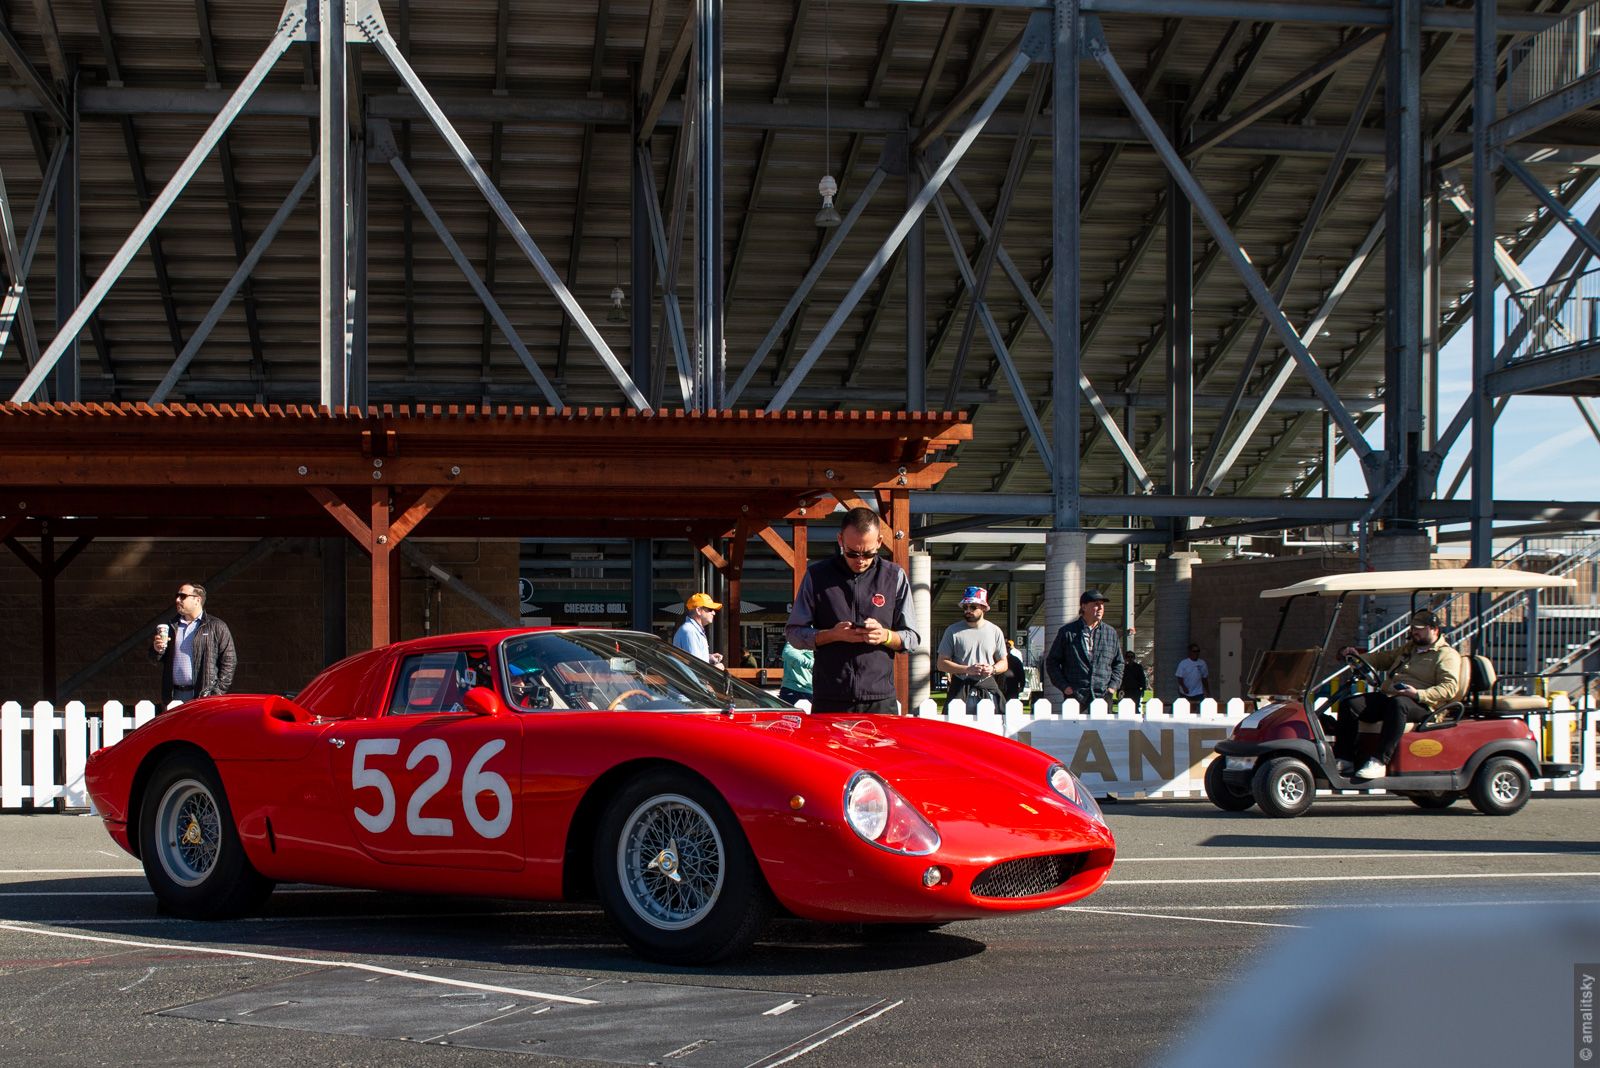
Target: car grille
<point>1028,876</point>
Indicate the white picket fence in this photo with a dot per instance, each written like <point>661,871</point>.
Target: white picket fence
<point>1122,751</point>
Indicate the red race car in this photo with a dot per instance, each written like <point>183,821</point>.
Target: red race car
<point>560,764</point>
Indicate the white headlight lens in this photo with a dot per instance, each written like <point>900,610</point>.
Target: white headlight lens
<point>879,814</point>
<point>866,805</point>
<point>1067,785</point>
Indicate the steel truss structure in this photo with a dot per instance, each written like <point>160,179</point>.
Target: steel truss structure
<point>1020,182</point>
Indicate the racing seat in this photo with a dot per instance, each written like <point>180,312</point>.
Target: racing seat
<point>1486,702</point>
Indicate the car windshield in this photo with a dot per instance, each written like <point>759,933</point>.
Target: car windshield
<point>607,669</point>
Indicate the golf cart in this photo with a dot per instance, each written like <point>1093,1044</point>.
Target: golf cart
<point>1478,746</point>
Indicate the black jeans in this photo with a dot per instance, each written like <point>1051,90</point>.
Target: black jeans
<point>1392,711</point>
<point>883,706</point>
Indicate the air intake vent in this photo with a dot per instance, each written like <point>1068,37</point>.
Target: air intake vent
<point>1027,877</point>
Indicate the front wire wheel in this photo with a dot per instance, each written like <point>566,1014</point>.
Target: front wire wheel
<point>675,873</point>
<point>669,859</point>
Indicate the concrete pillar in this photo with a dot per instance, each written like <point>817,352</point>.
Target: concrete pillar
<point>1173,587</point>
<point>1394,550</point>
<point>1066,566</point>
<point>921,574</point>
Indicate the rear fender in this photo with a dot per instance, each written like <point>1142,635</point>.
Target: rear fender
<point>1525,752</point>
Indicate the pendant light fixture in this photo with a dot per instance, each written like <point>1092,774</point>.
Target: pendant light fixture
<point>616,313</point>
<point>828,215</point>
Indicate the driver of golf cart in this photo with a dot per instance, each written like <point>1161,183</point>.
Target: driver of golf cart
<point>1417,678</point>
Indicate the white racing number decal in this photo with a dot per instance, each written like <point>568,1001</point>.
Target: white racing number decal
<point>474,781</point>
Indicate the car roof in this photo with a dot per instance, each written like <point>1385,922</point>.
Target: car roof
<point>1469,579</point>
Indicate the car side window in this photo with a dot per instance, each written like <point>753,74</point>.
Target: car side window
<point>436,682</point>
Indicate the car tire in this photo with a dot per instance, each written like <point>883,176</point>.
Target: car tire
<point>1284,787</point>
<point>675,873</point>
<point>191,851</point>
<point>1433,800</point>
<point>1221,794</point>
<point>1500,787</point>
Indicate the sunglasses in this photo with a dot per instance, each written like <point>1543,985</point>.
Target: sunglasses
<point>865,554</point>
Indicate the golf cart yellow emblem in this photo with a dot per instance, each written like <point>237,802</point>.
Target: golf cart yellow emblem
<point>1425,747</point>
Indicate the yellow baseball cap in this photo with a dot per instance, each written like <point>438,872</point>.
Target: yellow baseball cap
<point>701,600</point>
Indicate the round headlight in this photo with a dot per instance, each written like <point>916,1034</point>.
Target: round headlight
<point>877,812</point>
<point>1068,786</point>
<point>866,805</point>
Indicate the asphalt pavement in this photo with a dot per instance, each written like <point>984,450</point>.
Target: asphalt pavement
<point>90,974</point>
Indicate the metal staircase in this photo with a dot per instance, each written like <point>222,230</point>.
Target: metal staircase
<point>1565,624</point>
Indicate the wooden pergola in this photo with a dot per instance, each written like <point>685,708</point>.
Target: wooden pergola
<point>81,471</point>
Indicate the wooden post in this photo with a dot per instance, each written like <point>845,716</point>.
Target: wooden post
<point>898,535</point>
<point>735,577</point>
<point>378,546</point>
<point>801,549</point>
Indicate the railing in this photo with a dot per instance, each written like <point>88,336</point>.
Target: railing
<point>1553,58</point>
<point>1121,750</point>
<point>1567,621</point>
<point>1559,315</point>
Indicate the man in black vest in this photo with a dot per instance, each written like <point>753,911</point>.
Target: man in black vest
<point>851,609</point>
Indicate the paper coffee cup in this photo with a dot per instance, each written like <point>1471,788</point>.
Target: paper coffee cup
<point>163,631</point>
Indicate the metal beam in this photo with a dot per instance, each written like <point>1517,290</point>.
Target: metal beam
<point>898,233</point>
<point>40,90</point>
<point>1270,101</point>
<point>333,148</point>
<point>386,151</point>
<point>246,265</point>
<point>1100,49</point>
<point>1300,11</point>
<point>372,24</point>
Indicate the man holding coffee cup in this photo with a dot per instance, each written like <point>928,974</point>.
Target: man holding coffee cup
<point>195,650</point>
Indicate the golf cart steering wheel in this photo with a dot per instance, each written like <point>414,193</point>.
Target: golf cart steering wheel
<point>1363,669</point>
<point>616,702</point>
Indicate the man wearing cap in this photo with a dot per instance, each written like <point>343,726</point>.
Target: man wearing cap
<point>1085,660</point>
<point>691,636</point>
<point>851,608</point>
<point>973,651</point>
<point>1422,675</point>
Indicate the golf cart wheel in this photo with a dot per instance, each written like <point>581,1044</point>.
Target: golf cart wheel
<point>1284,787</point>
<point>1225,797</point>
<point>1500,788</point>
<point>1433,799</point>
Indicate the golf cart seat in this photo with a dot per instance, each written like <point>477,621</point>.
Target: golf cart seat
<point>1484,702</point>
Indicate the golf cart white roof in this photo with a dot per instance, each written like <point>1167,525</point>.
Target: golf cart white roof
<point>1451,579</point>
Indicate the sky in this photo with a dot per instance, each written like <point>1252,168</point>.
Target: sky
<point>1543,449</point>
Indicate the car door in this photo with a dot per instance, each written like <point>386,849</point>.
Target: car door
<point>429,783</point>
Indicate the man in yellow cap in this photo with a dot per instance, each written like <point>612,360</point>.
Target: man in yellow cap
<point>692,636</point>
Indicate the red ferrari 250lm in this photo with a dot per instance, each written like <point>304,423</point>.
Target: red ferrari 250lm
<point>554,764</point>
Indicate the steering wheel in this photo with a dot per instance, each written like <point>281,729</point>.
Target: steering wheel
<point>616,702</point>
<point>1363,669</point>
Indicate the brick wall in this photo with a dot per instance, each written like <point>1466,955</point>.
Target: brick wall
<point>1233,588</point>
<point>115,589</point>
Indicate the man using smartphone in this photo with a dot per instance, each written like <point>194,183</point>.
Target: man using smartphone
<point>851,608</point>
<point>1422,675</point>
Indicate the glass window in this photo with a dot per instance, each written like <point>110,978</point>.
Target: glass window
<point>617,670</point>
<point>437,682</point>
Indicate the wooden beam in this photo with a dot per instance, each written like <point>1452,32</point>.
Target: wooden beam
<point>417,513</point>
<point>334,505</point>
<point>776,543</point>
<point>383,589</point>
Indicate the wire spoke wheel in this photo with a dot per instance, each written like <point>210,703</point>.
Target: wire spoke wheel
<point>188,832</point>
<point>670,861</point>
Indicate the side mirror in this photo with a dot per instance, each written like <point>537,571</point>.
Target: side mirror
<point>482,701</point>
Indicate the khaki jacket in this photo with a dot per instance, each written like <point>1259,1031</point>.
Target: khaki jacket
<point>1435,671</point>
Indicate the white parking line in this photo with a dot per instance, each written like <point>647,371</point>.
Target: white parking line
<point>1359,878</point>
<point>377,917</point>
<point>353,965</point>
<point>1191,919</point>
<point>1307,906</point>
<point>851,1026</point>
